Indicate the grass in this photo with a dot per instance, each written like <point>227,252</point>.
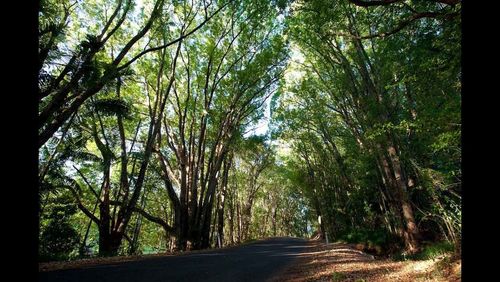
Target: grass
<point>429,251</point>
<point>376,242</point>
<point>338,276</point>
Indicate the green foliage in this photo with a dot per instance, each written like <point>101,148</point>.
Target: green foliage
<point>113,106</point>
<point>338,276</point>
<point>378,241</point>
<point>59,238</point>
<point>429,251</point>
<point>347,99</point>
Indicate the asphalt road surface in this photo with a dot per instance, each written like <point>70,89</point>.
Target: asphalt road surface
<point>258,261</point>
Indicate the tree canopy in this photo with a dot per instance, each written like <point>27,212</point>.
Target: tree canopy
<point>169,125</point>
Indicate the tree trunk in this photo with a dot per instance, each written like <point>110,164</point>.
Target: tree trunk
<point>412,234</point>
<point>274,211</point>
<point>222,197</point>
<point>238,214</point>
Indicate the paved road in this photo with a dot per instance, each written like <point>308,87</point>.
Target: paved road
<point>258,261</point>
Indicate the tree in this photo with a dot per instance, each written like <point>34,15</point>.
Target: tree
<point>355,91</point>
<point>65,86</point>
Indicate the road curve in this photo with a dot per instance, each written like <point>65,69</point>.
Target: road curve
<point>257,261</point>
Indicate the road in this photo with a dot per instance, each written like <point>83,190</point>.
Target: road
<point>258,261</point>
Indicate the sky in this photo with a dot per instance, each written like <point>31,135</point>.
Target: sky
<point>292,73</point>
<point>262,126</point>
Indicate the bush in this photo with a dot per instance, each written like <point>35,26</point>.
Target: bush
<point>338,276</point>
<point>59,239</point>
<point>378,242</point>
<point>429,251</point>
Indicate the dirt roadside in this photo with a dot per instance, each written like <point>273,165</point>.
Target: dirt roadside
<point>342,262</point>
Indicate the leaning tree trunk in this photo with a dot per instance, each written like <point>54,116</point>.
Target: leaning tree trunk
<point>222,197</point>
<point>412,234</point>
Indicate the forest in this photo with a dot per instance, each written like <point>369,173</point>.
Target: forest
<point>167,126</point>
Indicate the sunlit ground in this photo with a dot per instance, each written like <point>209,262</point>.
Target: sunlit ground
<point>340,262</point>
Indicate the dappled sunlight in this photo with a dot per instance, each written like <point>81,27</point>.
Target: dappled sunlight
<point>339,262</point>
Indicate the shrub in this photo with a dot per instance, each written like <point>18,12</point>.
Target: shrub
<point>378,242</point>
<point>429,251</point>
<point>57,241</point>
<point>338,276</point>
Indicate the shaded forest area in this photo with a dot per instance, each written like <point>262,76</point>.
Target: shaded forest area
<point>174,125</point>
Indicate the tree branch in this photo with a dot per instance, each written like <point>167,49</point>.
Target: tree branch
<point>364,3</point>
<point>401,25</point>
<point>148,216</point>
<point>81,206</point>
<point>171,42</point>
<point>88,183</point>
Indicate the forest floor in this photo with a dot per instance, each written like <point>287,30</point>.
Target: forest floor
<point>343,262</point>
